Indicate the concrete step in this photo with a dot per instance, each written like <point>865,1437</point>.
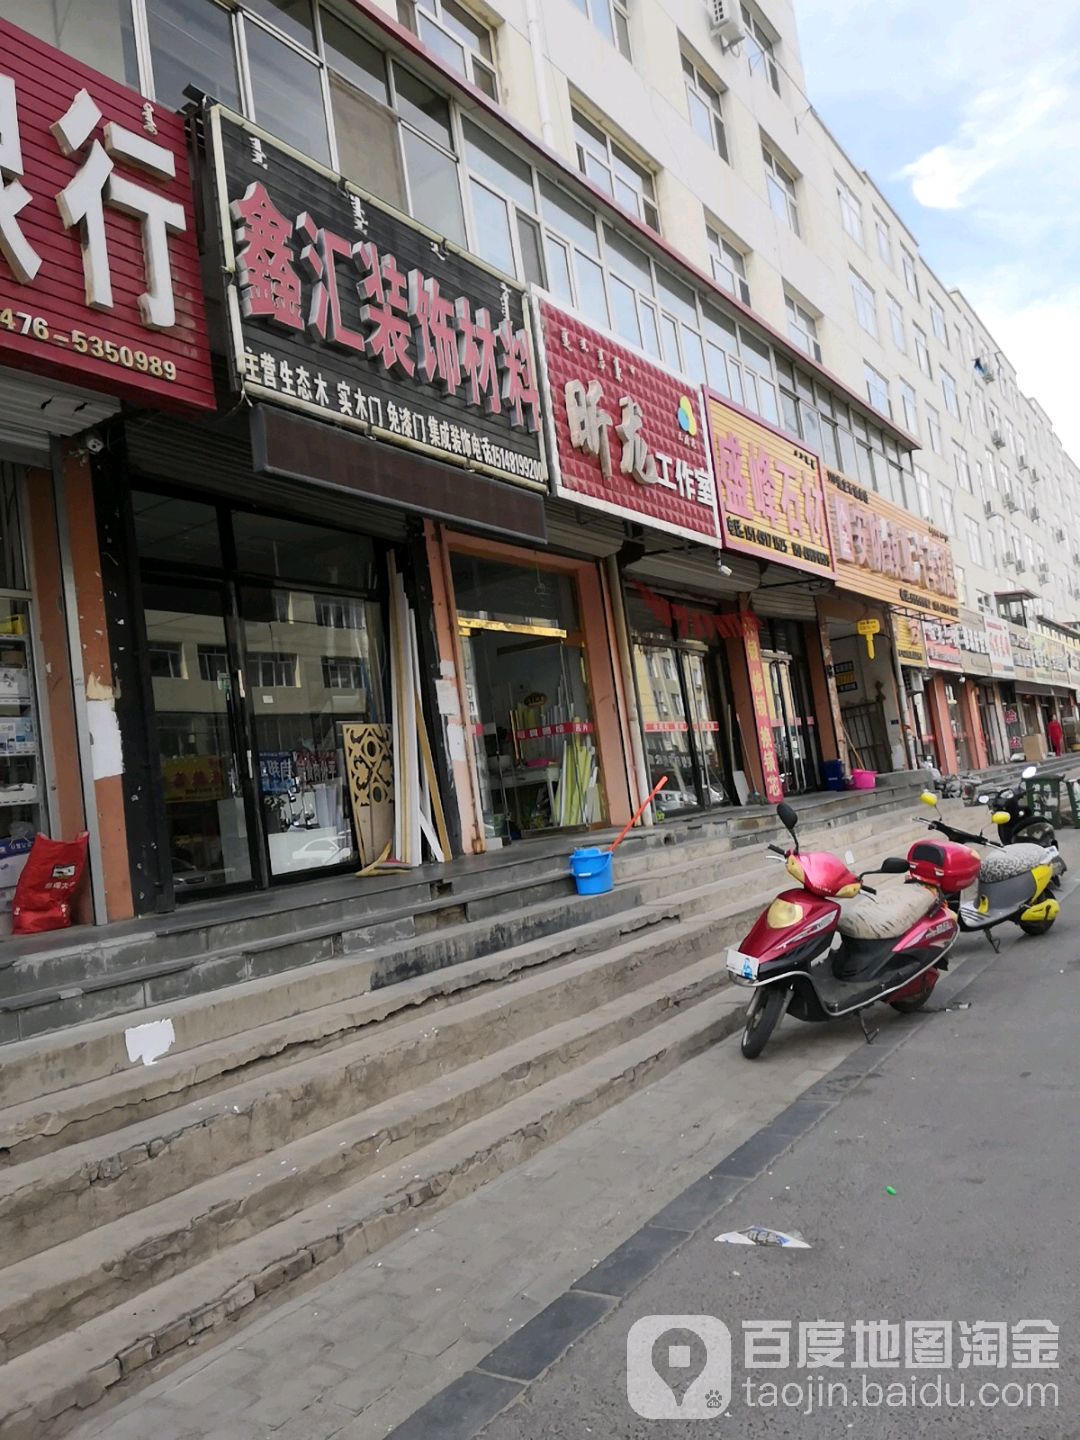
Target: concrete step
<point>44,1389</point>
<point>110,1092</point>
<point>66,1191</point>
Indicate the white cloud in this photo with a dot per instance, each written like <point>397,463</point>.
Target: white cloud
<point>1004,127</point>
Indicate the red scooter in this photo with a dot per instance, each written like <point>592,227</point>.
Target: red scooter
<point>811,957</point>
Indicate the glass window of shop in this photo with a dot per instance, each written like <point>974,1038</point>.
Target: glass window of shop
<point>688,721</point>
<point>264,638</point>
<point>791,705</point>
<point>22,788</point>
<point>100,33</point>
<point>530,710</point>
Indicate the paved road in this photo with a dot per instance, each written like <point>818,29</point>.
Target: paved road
<point>972,1120</point>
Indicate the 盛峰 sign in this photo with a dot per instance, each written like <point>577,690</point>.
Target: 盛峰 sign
<point>772,499</point>
<point>346,310</point>
<point>100,283</point>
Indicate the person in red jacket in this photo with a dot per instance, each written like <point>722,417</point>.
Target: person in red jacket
<point>1055,735</point>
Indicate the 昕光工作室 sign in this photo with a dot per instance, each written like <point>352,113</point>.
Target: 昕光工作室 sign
<point>347,311</point>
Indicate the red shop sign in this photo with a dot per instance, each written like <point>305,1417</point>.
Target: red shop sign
<point>628,435</point>
<point>99,268</point>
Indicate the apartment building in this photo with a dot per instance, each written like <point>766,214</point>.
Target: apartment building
<point>632,187</point>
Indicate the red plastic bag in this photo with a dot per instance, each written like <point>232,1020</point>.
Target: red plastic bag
<point>47,885</point>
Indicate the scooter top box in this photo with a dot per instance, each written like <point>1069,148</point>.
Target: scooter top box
<point>943,863</point>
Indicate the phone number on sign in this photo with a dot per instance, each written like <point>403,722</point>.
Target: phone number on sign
<point>38,328</point>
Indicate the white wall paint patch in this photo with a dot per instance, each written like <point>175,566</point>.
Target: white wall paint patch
<point>106,752</point>
<point>455,740</point>
<point>150,1041</point>
<point>447,696</point>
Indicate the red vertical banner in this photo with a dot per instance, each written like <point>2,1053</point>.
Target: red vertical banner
<point>774,790</point>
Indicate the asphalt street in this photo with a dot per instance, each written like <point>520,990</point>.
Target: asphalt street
<point>971,1120</point>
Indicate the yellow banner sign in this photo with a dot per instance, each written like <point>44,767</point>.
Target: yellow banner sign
<point>885,553</point>
<point>910,645</point>
<point>770,492</point>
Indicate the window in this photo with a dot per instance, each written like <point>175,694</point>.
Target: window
<point>877,389</point>
<point>952,400</point>
<point>286,87</point>
<point>974,540</point>
<point>937,321</point>
<point>608,165</point>
<point>343,674</point>
<point>850,213</point>
<point>884,240</point>
<point>802,328</point>
<point>191,43</point>
<point>865,304</point>
<point>430,162</point>
<point>933,424</point>
<point>923,494</point>
<point>502,195</point>
<point>166,660</point>
<point>961,467</point>
<point>910,406</point>
<point>611,18</point>
<point>922,353</point>
<point>271,671</point>
<point>454,35</point>
<point>706,113</point>
<point>911,275</point>
<point>759,49</point>
<point>948,512</point>
<point>781,187</point>
<point>896,323</point>
<point>213,662</point>
<point>728,266</point>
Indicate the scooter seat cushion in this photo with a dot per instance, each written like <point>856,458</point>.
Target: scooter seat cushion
<point>893,912</point>
<point>1013,860</point>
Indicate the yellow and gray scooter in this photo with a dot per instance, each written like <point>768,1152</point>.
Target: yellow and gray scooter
<point>1014,881</point>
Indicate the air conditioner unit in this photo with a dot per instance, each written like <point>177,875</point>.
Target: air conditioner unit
<point>1059,535</point>
<point>985,370</point>
<point>1009,559</point>
<point>1011,503</point>
<point>1044,573</point>
<point>1076,557</point>
<point>988,508</point>
<point>998,439</point>
<point>725,22</point>
<point>1021,565</point>
<point>1022,461</point>
<point>1034,512</point>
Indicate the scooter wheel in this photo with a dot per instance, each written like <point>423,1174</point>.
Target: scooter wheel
<point>915,1002</point>
<point>1035,927</point>
<point>762,1020</point>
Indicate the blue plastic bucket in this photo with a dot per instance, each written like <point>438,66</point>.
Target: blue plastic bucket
<point>591,869</point>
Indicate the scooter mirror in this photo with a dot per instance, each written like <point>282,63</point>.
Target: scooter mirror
<point>1029,772</point>
<point>788,817</point>
<point>893,865</point>
<point>1000,817</point>
<point>928,798</point>
<point>984,799</point>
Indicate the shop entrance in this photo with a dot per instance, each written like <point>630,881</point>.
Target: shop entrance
<point>527,679</point>
<point>263,638</point>
<point>791,707</point>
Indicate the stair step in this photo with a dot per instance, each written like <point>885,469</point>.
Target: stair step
<point>40,1390</point>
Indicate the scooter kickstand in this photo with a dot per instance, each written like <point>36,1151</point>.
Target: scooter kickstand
<point>995,943</point>
<point>870,1034</point>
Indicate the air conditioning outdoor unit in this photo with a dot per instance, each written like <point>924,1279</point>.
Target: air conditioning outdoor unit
<point>1034,512</point>
<point>1011,503</point>
<point>985,370</point>
<point>988,508</point>
<point>1020,566</point>
<point>1009,560</point>
<point>1022,461</point>
<point>998,439</point>
<point>1044,573</point>
<point>1059,535</point>
<point>725,22</point>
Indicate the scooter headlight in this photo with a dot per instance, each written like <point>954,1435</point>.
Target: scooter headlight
<point>782,914</point>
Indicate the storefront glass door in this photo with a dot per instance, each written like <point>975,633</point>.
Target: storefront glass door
<point>204,752</point>
<point>529,703</point>
<point>665,728</point>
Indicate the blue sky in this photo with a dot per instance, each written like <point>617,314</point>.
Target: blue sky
<point>967,115</point>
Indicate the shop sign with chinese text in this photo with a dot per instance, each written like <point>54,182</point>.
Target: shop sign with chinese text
<point>942,641</point>
<point>770,492</point>
<point>885,553</point>
<point>908,636</point>
<point>1000,647</point>
<point>100,282</point>
<point>349,312</point>
<point>974,645</point>
<point>626,435</point>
